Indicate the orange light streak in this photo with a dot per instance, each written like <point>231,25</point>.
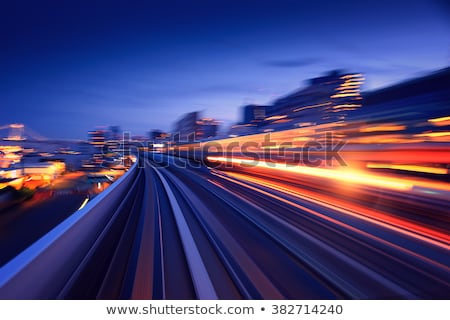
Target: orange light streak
<point>349,227</point>
<point>348,208</point>
<point>349,175</point>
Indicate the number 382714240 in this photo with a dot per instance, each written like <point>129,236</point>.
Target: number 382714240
<point>306,309</point>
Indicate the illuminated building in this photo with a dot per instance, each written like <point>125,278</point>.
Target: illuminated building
<point>254,113</point>
<point>158,135</point>
<point>97,138</point>
<point>191,127</point>
<point>418,106</point>
<point>206,128</point>
<point>325,99</point>
<point>10,155</point>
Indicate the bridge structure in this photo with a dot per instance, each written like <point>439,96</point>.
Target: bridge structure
<point>19,132</point>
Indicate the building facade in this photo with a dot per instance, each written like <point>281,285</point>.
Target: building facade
<point>253,113</point>
<point>325,99</point>
<point>191,127</point>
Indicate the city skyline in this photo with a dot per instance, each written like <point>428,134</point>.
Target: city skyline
<point>69,67</point>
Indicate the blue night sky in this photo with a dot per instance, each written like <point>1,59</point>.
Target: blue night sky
<point>69,66</point>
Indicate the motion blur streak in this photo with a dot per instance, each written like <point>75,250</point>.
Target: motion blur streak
<point>345,175</point>
<point>361,232</point>
<point>410,229</point>
<point>442,121</point>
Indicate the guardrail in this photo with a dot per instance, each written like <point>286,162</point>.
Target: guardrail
<point>42,270</point>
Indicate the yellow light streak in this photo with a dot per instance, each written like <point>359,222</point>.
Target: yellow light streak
<point>441,119</point>
<point>345,95</point>
<point>414,168</point>
<point>276,117</point>
<point>383,128</point>
<point>434,134</point>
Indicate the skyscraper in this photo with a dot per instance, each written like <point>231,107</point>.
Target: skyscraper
<point>325,99</point>
<point>191,127</point>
